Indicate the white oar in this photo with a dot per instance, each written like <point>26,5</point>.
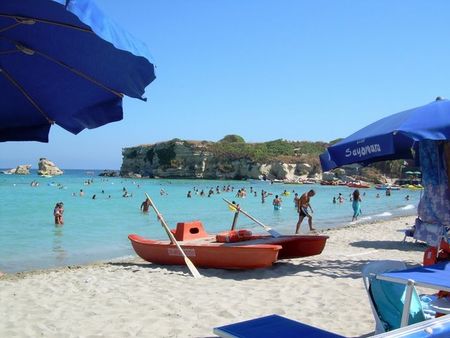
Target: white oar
<point>267,228</point>
<point>188,262</point>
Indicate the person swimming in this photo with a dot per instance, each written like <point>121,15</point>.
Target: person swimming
<point>145,205</point>
<point>58,212</point>
<point>276,203</point>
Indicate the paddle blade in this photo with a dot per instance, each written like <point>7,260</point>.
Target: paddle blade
<point>273,233</point>
<point>192,268</point>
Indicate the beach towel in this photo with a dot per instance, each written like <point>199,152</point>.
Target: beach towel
<point>434,205</point>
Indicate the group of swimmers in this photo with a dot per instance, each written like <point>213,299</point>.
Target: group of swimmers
<point>241,193</point>
<point>356,200</point>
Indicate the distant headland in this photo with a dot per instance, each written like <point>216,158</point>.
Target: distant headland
<point>233,158</point>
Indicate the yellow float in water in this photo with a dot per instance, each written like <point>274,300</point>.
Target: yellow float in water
<point>413,187</point>
<point>232,208</point>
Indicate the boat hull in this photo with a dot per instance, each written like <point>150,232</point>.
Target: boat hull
<point>386,187</point>
<point>296,246</point>
<point>206,253</point>
<point>361,186</point>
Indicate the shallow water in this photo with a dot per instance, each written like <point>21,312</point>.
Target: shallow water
<point>98,229</point>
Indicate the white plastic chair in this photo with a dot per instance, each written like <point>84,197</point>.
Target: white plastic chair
<point>374,268</point>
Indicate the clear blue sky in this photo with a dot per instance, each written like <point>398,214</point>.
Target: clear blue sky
<point>298,70</point>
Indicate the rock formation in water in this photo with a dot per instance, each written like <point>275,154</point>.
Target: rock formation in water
<point>47,167</point>
<point>109,173</point>
<point>22,169</point>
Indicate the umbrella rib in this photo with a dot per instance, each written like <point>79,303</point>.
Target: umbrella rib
<point>9,27</point>
<point>24,49</point>
<point>29,20</point>
<point>8,52</point>
<point>24,92</point>
<point>81,74</point>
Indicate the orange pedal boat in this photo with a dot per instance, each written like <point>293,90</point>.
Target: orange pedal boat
<point>204,251</point>
<point>245,252</point>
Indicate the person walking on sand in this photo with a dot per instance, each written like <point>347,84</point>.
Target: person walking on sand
<point>303,205</point>
<point>356,205</point>
<point>145,205</point>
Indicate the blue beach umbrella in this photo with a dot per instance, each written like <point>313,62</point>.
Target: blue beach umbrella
<point>63,62</point>
<point>393,137</point>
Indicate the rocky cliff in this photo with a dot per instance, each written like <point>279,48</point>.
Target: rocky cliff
<point>192,159</point>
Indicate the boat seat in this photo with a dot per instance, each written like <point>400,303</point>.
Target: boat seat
<point>189,230</point>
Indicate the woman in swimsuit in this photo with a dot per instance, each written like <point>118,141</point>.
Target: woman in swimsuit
<point>356,205</point>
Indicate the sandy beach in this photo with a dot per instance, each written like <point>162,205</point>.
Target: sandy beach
<point>133,298</point>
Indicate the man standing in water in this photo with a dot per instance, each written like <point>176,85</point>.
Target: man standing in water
<point>145,205</point>
<point>303,205</point>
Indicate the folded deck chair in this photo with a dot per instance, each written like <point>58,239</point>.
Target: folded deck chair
<point>387,298</point>
<point>272,326</point>
<point>409,233</point>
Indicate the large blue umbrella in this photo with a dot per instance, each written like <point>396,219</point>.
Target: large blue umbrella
<point>64,62</point>
<point>392,137</point>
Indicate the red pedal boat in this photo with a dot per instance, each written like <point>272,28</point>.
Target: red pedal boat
<point>295,246</point>
<point>242,252</point>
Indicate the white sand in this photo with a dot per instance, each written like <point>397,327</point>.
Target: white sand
<point>138,299</point>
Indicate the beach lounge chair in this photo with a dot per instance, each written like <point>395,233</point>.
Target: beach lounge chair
<point>432,234</point>
<point>409,233</point>
<point>434,328</point>
<point>386,298</point>
<point>272,326</point>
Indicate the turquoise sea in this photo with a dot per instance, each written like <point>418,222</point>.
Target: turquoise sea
<point>97,229</point>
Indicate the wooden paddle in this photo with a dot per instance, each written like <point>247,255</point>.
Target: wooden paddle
<point>188,262</point>
<point>267,228</point>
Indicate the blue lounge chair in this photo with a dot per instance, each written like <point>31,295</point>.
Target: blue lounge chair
<point>387,298</point>
<point>272,326</point>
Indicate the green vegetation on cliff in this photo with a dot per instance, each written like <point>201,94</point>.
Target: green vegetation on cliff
<point>234,147</point>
